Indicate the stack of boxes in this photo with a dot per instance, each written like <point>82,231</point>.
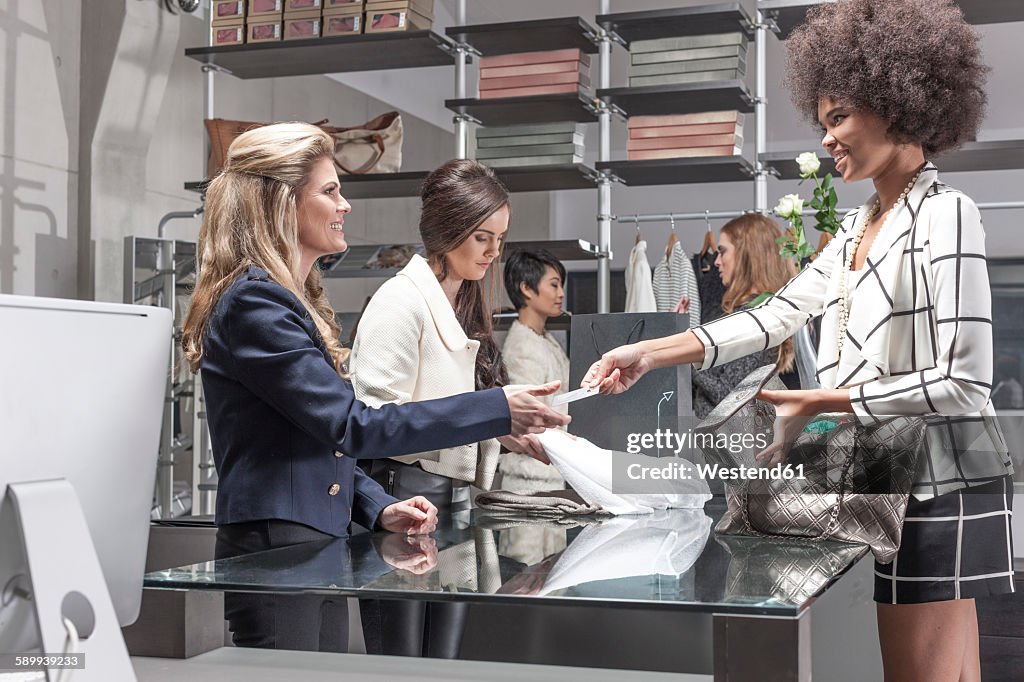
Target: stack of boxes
<point>263,21</point>
<point>534,73</point>
<point>227,22</point>
<point>544,144</point>
<point>302,19</point>
<point>398,15</point>
<point>710,133</point>
<point>343,17</point>
<point>234,22</point>
<point>688,59</point>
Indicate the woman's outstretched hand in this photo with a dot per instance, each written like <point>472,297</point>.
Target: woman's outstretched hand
<point>617,370</point>
<point>530,415</point>
<point>525,445</point>
<point>793,409</point>
<point>415,516</point>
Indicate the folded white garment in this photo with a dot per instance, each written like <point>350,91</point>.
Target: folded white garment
<point>588,469</point>
<point>662,543</point>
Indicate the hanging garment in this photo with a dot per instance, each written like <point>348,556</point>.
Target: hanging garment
<point>709,284</point>
<point>673,279</point>
<point>639,289</point>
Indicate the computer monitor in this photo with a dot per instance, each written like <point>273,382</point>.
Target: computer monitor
<point>81,392</point>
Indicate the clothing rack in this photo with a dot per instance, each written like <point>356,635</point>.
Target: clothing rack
<point>729,215</point>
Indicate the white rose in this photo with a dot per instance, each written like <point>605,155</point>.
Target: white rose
<point>790,206</point>
<point>809,164</point>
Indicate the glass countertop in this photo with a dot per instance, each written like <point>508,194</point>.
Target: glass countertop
<point>670,559</point>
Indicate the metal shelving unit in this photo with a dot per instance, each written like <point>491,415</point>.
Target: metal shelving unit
<point>357,261</point>
<point>680,171</point>
<point>686,98</point>
<point>506,111</point>
<point>625,27</point>
<point>338,54</point>
<point>788,14</point>
<point>990,155</point>
<point>527,36</point>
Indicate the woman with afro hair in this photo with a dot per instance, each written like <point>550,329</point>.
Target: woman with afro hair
<point>905,308</point>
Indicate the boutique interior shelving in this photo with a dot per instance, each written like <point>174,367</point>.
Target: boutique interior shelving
<point>353,262</point>
<point>679,171</point>
<point>659,100</point>
<point>788,14</point>
<point>688,98</point>
<point>506,111</point>
<point>989,155</point>
<point>565,33</point>
<point>338,54</point>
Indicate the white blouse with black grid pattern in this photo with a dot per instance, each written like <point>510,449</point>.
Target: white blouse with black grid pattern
<point>919,338</point>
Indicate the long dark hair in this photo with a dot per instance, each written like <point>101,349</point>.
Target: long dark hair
<point>457,198</point>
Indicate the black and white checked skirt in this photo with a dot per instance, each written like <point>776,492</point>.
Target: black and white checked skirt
<point>955,546</point>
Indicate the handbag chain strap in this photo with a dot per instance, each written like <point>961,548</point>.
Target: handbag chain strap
<point>833,516</point>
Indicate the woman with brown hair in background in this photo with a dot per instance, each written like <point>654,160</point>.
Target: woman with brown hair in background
<point>749,264</point>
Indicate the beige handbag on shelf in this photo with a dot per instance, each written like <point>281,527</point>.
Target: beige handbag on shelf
<point>373,147</point>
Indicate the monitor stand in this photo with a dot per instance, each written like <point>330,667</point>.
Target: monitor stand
<point>65,580</point>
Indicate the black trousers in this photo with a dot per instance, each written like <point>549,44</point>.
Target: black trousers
<point>414,628</point>
<point>268,621</point>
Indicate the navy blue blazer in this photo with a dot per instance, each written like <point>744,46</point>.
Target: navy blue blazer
<point>280,417</point>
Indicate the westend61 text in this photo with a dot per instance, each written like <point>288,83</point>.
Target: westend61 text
<point>684,471</point>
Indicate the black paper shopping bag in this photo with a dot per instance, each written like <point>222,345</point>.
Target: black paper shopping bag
<point>655,402</point>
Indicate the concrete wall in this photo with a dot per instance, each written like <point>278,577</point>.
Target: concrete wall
<point>102,125</point>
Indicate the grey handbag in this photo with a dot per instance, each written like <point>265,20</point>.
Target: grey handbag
<point>791,572</point>
<point>854,483</point>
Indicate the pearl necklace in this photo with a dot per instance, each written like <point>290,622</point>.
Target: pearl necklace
<point>858,234</point>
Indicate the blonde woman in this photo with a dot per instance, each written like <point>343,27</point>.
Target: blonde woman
<point>286,427</point>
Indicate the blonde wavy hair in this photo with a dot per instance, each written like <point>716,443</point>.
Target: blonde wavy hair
<point>251,219</point>
<point>758,267</point>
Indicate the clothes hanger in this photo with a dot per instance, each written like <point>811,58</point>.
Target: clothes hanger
<point>639,237</point>
<point>672,237</point>
<point>709,245</point>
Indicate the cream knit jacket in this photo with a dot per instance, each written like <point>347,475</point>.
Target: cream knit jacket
<point>532,359</point>
<point>409,346</point>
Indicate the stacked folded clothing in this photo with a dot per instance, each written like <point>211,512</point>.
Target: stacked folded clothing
<point>543,144</point>
<point>534,73</point>
<point>688,59</point>
<point>710,133</point>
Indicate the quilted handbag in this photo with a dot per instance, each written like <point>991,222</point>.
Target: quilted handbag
<point>853,478</point>
<point>791,572</point>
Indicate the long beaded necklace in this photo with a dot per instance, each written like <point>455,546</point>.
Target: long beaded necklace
<point>858,234</point>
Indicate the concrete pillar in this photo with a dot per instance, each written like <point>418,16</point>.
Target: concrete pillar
<point>127,51</point>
